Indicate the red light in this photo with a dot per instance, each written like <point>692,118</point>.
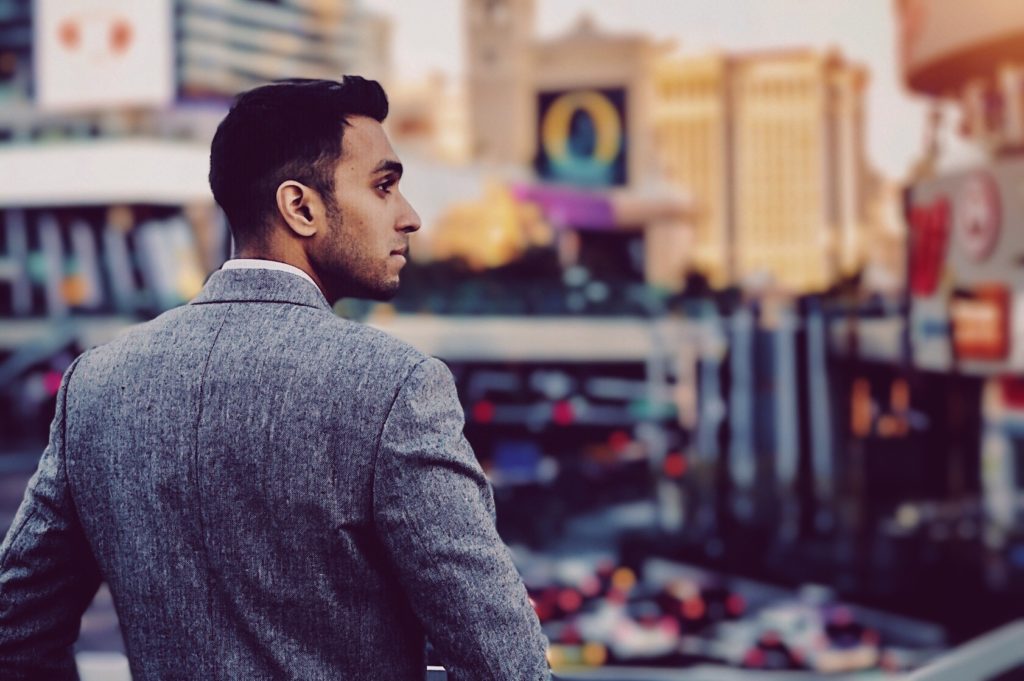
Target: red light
<point>693,608</point>
<point>675,465</point>
<point>735,605</point>
<point>842,616</point>
<point>542,609</point>
<point>571,634</point>
<point>69,34</point>
<point>618,440</point>
<point>561,413</point>
<point>616,597</point>
<point>51,381</point>
<point>483,412</point>
<point>754,658</point>
<point>669,624</point>
<point>1013,391</point>
<point>120,35</point>
<point>590,586</point>
<point>569,600</point>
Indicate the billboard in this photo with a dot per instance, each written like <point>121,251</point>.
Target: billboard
<point>95,54</point>
<point>581,137</point>
<point>966,270</point>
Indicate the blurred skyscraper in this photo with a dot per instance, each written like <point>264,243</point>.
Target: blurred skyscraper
<point>772,146</point>
<point>225,46</point>
<point>500,68</point>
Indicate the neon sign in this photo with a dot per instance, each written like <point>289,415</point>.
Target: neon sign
<point>929,237</point>
<point>581,137</point>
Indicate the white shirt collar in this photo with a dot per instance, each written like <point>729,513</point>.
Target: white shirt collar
<point>256,264</point>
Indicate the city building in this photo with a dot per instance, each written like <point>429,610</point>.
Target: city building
<point>576,110</point>
<point>769,146</point>
<point>225,46</point>
<point>772,146</point>
<point>691,123</point>
<point>500,67</point>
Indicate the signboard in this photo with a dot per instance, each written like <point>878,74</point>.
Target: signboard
<point>980,320</point>
<point>966,269</point>
<point>980,216</point>
<point>929,237</point>
<point>582,137</point>
<point>94,54</point>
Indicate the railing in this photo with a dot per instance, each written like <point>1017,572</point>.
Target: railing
<point>986,657</point>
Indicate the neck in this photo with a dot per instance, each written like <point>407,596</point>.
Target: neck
<point>299,262</point>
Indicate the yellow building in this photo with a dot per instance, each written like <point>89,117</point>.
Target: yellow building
<point>690,125</point>
<point>771,146</point>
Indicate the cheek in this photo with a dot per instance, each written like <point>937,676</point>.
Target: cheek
<point>366,214</point>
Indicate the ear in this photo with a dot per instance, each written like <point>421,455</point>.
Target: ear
<point>300,207</point>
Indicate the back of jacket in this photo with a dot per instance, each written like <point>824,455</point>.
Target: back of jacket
<point>273,492</point>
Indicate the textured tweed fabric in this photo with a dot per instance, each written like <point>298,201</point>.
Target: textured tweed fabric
<point>271,492</point>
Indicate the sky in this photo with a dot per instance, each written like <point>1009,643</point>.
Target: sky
<point>427,37</point>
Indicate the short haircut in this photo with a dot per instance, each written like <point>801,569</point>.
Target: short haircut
<point>287,130</point>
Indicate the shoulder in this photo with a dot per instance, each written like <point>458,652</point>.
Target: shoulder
<point>358,340</point>
<point>135,338</point>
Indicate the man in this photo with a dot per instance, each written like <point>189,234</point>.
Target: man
<point>272,492</point>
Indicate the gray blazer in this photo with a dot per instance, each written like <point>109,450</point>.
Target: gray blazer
<point>270,492</point>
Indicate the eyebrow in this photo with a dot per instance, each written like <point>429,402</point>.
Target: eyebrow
<point>388,166</point>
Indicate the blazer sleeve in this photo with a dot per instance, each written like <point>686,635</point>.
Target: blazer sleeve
<point>434,511</point>
<point>48,575</point>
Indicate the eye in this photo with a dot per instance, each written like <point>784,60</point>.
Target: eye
<point>385,186</point>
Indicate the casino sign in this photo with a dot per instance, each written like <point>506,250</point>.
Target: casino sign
<point>581,137</point>
<point>966,269</point>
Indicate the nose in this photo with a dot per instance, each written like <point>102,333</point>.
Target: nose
<point>408,219</point>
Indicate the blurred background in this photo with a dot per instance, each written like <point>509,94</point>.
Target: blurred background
<point>733,293</point>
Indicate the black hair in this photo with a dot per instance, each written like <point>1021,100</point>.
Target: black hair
<point>287,130</point>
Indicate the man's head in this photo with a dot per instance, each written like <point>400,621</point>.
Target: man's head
<point>306,175</point>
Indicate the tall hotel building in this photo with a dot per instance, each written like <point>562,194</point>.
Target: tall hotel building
<point>771,146</point>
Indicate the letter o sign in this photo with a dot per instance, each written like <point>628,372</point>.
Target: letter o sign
<point>555,128</point>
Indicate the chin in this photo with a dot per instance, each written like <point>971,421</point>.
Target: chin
<point>381,293</point>
<point>383,296</point>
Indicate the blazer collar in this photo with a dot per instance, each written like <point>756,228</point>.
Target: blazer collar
<point>260,286</point>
